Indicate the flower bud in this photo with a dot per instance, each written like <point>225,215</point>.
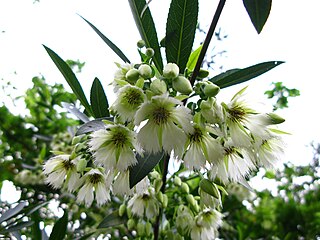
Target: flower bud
<point>76,140</point>
<point>165,201</point>
<point>140,229</point>
<point>275,119</point>
<point>141,44</point>
<point>149,52</point>
<point>157,185</point>
<point>131,224</point>
<point>149,229</point>
<point>203,74</point>
<point>129,212</point>
<point>154,175</point>
<point>158,86</point>
<point>211,90</point>
<point>191,200</point>
<point>177,181</point>
<point>145,71</point>
<point>160,197</point>
<point>81,165</point>
<point>185,187</point>
<point>170,71</point>
<point>140,83</point>
<point>182,85</point>
<point>132,75</point>
<point>122,209</point>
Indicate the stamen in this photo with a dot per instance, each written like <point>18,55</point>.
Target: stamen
<point>133,97</point>
<point>160,115</point>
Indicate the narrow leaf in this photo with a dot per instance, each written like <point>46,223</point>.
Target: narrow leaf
<point>258,11</point>
<point>31,209</point>
<point>192,61</point>
<point>147,30</point>
<point>12,211</point>
<point>91,126</point>
<point>113,219</point>
<point>236,76</point>
<point>72,109</point>
<point>181,26</point>
<point>60,228</point>
<point>70,78</point>
<point>18,226</point>
<point>98,100</point>
<point>114,48</point>
<point>145,164</point>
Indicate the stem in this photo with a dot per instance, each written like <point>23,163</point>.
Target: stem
<point>207,41</point>
<point>163,189</point>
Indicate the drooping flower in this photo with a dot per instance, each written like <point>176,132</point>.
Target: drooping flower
<point>94,182</point>
<point>59,169</point>
<point>128,100</point>
<point>113,147</point>
<point>167,125</point>
<point>145,204</point>
<point>121,184</point>
<point>184,220</point>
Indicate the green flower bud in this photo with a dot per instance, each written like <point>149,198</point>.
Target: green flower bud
<point>185,187</point>
<point>211,90</point>
<point>149,52</point>
<point>140,83</point>
<point>191,200</point>
<point>177,181</point>
<point>141,44</point>
<point>160,196</point>
<point>165,201</point>
<point>182,85</point>
<point>76,139</point>
<point>132,75</point>
<point>131,224</point>
<point>140,229</point>
<point>122,209</point>
<point>158,86</point>
<point>203,74</point>
<point>81,165</point>
<point>145,71</point>
<point>275,119</point>
<point>129,212</point>
<point>149,229</point>
<point>154,175</point>
<point>157,185</point>
<point>170,71</point>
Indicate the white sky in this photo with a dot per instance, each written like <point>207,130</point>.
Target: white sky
<point>291,34</point>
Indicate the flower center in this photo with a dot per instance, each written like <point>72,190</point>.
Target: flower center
<point>119,139</point>
<point>95,178</point>
<point>160,115</point>
<point>196,136</point>
<point>236,113</point>
<point>133,97</point>
<point>67,165</point>
<point>229,150</point>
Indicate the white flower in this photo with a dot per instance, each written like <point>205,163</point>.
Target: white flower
<point>128,100</point>
<point>94,181</point>
<point>202,147</point>
<point>113,147</point>
<point>168,123</point>
<point>61,168</point>
<point>121,184</point>
<point>144,204</point>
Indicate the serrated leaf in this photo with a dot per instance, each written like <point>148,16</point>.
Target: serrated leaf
<point>72,109</point>
<point>70,78</point>
<point>12,211</point>
<point>181,26</point>
<point>114,48</point>
<point>145,164</point>
<point>147,30</point>
<point>91,126</point>
<point>236,76</point>
<point>98,100</point>
<point>192,61</point>
<point>258,11</point>
<point>113,219</point>
<point>60,228</point>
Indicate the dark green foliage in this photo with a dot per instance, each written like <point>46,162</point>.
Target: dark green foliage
<point>98,100</point>
<point>281,93</point>
<point>181,26</point>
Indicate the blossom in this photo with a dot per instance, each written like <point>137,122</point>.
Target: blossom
<point>94,182</point>
<point>167,125</point>
<point>201,147</point>
<point>61,168</point>
<point>144,204</point>
<point>113,147</point>
<point>128,100</point>
<point>121,184</point>
<point>120,75</point>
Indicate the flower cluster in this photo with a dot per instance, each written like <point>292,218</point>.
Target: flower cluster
<point>154,112</point>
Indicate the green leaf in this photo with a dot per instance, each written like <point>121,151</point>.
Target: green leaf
<point>72,109</point>
<point>147,29</point>
<point>258,11</point>
<point>180,31</point>
<point>18,226</point>
<point>60,228</point>
<point>192,61</point>
<point>98,100</point>
<point>91,126</point>
<point>145,164</point>
<point>236,76</point>
<point>12,211</point>
<point>115,49</point>
<point>70,78</point>
<point>210,188</point>
<point>113,219</point>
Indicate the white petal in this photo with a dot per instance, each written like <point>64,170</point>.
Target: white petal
<point>148,137</point>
